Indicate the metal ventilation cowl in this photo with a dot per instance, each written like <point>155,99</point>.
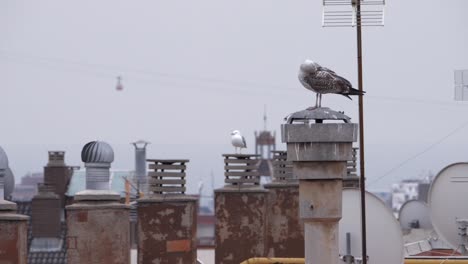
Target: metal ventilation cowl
<point>97,152</point>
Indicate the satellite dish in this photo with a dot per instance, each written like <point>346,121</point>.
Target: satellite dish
<point>447,201</point>
<point>384,237</point>
<point>415,214</point>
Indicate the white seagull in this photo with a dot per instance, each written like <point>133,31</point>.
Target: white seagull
<point>238,141</point>
<point>322,81</point>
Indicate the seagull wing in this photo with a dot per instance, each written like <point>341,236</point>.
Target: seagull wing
<point>326,70</point>
<point>243,141</point>
<point>321,82</point>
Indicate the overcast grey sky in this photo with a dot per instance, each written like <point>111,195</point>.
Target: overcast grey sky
<point>195,70</point>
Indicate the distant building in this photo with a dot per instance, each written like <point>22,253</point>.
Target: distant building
<point>408,190</point>
<point>27,188</point>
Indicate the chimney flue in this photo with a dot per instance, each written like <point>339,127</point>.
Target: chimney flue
<point>140,164</point>
<point>56,159</point>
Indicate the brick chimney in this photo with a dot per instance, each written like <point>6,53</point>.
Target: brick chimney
<point>45,212</point>
<point>240,209</point>
<point>284,232</point>
<point>98,224</point>
<point>169,215</point>
<point>57,174</point>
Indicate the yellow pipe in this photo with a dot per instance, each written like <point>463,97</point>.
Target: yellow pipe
<point>436,261</point>
<point>274,261</point>
<point>302,261</point>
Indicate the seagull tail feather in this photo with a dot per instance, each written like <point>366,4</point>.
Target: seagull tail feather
<point>353,91</point>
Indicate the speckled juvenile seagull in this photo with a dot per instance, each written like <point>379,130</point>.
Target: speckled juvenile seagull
<point>322,81</point>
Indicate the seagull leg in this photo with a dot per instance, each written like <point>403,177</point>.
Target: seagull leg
<point>320,100</point>
<point>316,100</point>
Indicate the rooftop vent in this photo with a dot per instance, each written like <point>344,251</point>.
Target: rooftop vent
<point>241,170</point>
<point>319,115</point>
<point>167,176</point>
<point>282,167</point>
<point>97,156</point>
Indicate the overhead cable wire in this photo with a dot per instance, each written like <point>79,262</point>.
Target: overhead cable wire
<point>425,150</point>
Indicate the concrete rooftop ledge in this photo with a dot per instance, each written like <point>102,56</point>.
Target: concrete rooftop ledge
<point>242,189</point>
<point>12,216</point>
<point>160,198</point>
<point>7,206</point>
<point>282,184</point>
<point>97,205</point>
<point>97,195</point>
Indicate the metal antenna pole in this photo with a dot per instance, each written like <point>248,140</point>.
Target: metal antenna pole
<point>361,133</point>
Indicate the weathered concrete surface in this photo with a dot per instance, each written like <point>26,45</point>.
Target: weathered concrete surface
<point>240,224</point>
<point>319,151</point>
<point>13,235</point>
<point>323,247</point>
<point>285,231</point>
<point>325,170</point>
<point>330,133</point>
<point>320,200</point>
<point>167,229</point>
<point>98,232</point>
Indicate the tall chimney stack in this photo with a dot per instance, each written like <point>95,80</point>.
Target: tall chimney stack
<point>319,144</point>
<point>57,174</point>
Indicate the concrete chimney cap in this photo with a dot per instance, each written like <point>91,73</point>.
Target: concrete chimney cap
<point>97,152</point>
<point>3,159</point>
<point>318,114</point>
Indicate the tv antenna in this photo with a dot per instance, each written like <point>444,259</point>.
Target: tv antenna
<point>356,13</point>
<point>461,85</point>
<point>119,86</point>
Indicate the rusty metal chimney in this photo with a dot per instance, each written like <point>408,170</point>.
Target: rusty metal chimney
<point>14,227</point>
<point>240,209</point>
<point>168,214</point>
<point>140,165</point>
<point>98,224</point>
<point>284,232</point>
<point>319,143</point>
